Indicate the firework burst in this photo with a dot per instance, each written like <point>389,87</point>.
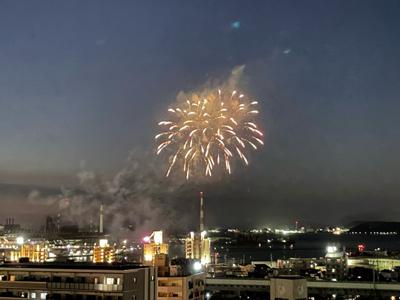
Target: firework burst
<point>207,132</point>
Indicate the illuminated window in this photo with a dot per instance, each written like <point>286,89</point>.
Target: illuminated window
<point>33,295</point>
<point>43,296</point>
<point>109,280</point>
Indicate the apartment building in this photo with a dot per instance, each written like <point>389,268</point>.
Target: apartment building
<point>77,281</point>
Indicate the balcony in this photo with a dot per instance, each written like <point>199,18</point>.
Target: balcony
<point>39,285</point>
<point>12,298</point>
<point>84,286</point>
<point>108,287</point>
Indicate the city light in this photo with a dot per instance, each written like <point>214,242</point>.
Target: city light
<point>20,240</point>
<point>148,257</point>
<point>158,237</point>
<point>197,266</point>
<point>103,243</point>
<point>331,249</point>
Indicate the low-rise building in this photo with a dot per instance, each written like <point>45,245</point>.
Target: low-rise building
<point>103,252</point>
<point>77,281</point>
<point>182,279</point>
<point>181,287</point>
<point>373,262</point>
<point>154,245</point>
<point>336,264</point>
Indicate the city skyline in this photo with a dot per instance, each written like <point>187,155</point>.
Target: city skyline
<point>83,85</point>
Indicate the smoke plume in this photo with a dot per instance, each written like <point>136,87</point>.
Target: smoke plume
<point>138,199</point>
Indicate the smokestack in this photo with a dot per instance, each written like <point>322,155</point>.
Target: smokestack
<point>101,219</point>
<point>201,212</point>
<point>58,222</point>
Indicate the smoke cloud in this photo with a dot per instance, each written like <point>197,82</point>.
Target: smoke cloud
<point>139,198</point>
<point>233,82</point>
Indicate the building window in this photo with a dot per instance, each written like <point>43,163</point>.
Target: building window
<point>134,279</point>
<point>110,280</point>
<point>133,297</point>
<point>43,296</point>
<point>33,295</point>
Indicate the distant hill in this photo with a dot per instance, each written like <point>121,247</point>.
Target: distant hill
<point>377,228</point>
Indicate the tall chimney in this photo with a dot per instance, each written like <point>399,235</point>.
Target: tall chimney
<point>101,219</point>
<point>58,222</point>
<point>201,212</point>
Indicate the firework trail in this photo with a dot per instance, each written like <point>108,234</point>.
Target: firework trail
<point>206,132</point>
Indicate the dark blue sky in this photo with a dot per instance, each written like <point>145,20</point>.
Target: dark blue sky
<point>88,80</point>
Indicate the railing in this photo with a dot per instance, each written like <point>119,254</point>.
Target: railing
<point>265,283</point>
<point>12,298</point>
<point>84,286</point>
<point>353,285</point>
<point>239,282</point>
<point>108,287</point>
<point>22,284</point>
<point>41,285</point>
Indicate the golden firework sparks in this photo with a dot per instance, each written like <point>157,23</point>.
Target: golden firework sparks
<point>205,131</point>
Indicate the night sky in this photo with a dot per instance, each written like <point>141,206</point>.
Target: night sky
<point>85,82</point>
